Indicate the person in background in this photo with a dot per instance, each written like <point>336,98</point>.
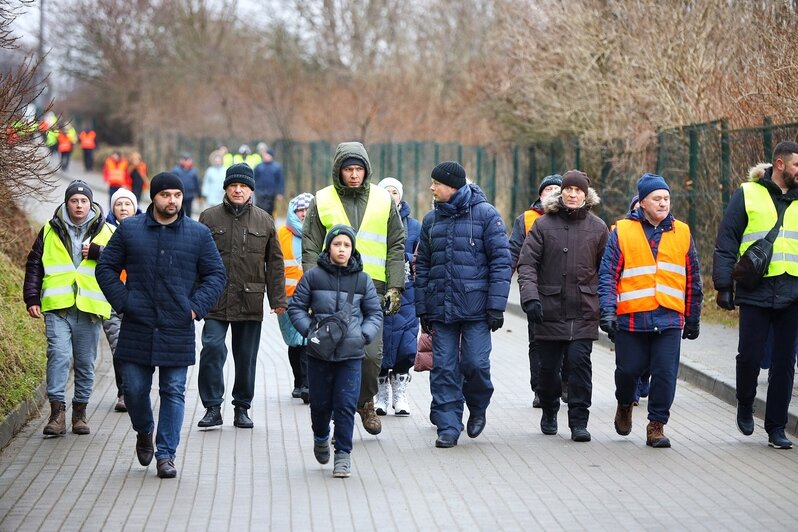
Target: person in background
<point>269,182</point>
<point>188,175</point>
<point>65,145</point>
<point>115,173</point>
<point>88,143</point>
<point>213,182</point>
<point>137,175</point>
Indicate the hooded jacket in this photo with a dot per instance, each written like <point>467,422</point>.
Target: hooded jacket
<point>559,264</point>
<point>354,201</point>
<point>463,266</point>
<point>773,292</point>
<point>293,225</point>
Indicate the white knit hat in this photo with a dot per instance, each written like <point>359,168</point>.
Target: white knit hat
<point>124,193</point>
<point>392,182</point>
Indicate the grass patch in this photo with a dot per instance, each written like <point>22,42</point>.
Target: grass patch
<point>23,346</point>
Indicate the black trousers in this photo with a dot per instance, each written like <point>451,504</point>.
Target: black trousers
<point>580,378</point>
<point>534,359</point>
<point>299,365</point>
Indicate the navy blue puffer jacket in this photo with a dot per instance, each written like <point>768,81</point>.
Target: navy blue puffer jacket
<point>171,270</point>
<point>324,290</point>
<point>463,266</point>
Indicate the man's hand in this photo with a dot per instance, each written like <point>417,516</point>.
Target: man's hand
<point>392,302</point>
<point>495,319</point>
<point>279,310</point>
<point>725,299</point>
<point>609,324</point>
<point>426,326</point>
<point>690,332</point>
<point>534,310</point>
<point>35,311</point>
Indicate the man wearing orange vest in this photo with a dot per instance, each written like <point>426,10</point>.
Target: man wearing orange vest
<point>88,143</point>
<point>650,296</point>
<point>550,186</point>
<point>115,173</point>
<point>65,144</point>
<point>290,238</point>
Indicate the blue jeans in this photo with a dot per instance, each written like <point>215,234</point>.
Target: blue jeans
<point>333,388</point>
<point>137,382</point>
<point>460,373</point>
<point>71,336</point>
<point>246,339</point>
<point>636,352</point>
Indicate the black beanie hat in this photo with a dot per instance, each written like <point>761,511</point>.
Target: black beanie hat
<point>554,179</point>
<point>339,229</point>
<point>78,187</point>
<point>240,173</point>
<point>576,178</point>
<point>165,181</point>
<point>349,161</point>
<point>450,173</point>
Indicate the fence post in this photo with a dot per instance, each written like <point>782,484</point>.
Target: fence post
<point>479,165</point>
<point>417,179</point>
<point>513,189</point>
<point>533,171</point>
<point>552,158</point>
<point>767,138</point>
<point>693,174</point>
<point>460,153</point>
<point>660,153</point>
<point>493,178</point>
<point>725,162</point>
<point>436,153</point>
<point>578,154</point>
<point>399,156</point>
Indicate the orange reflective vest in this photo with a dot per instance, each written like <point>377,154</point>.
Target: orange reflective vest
<point>115,172</point>
<point>529,218</point>
<point>646,284</point>
<point>64,143</point>
<point>88,140</point>
<point>293,265</point>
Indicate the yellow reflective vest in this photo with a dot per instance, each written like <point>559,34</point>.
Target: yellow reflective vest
<point>372,235</point>
<point>64,285</point>
<point>762,217</point>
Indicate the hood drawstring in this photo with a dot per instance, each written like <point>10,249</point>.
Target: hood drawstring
<point>471,227</point>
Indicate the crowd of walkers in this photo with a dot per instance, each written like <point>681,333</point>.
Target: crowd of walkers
<point>354,280</point>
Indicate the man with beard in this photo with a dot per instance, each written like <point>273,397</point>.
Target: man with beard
<point>174,276</point>
<point>772,306</point>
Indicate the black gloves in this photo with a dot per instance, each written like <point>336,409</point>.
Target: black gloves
<point>426,326</point>
<point>534,310</point>
<point>690,331</point>
<point>609,324</point>
<point>725,301</point>
<point>495,319</point>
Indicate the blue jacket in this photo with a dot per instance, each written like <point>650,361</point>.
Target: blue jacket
<point>269,179</point>
<point>324,290</point>
<point>463,266</point>
<point>290,335</point>
<point>400,331</point>
<point>190,179</point>
<point>171,270</point>
<point>660,318</point>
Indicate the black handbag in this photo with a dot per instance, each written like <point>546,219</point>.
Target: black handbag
<point>753,265</point>
<point>329,332</point>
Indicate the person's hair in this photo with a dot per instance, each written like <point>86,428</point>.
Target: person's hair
<point>787,147</point>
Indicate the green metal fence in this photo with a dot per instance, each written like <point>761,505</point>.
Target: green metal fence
<point>703,164</point>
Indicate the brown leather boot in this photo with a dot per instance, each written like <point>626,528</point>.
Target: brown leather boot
<point>655,436</point>
<point>371,422</point>
<point>56,426</point>
<point>79,423</point>
<point>144,448</point>
<point>623,419</point>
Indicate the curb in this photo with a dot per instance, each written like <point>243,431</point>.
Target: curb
<point>18,418</point>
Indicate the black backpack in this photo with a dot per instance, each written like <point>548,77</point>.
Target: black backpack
<point>328,333</point>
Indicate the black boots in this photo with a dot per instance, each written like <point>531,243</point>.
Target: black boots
<point>241,419</point>
<point>212,418</point>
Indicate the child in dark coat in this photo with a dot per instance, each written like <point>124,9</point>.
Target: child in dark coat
<point>334,383</point>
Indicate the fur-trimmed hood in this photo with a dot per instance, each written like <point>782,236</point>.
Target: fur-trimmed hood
<point>552,204</point>
<point>758,171</point>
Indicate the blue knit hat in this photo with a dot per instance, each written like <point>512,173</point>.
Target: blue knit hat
<point>648,183</point>
<point>554,179</point>
<point>340,229</point>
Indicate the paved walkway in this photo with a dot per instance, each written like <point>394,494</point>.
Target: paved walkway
<point>510,478</point>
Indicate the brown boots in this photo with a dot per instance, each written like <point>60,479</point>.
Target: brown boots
<point>623,419</point>
<point>371,422</point>
<point>80,424</point>
<point>56,425</point>
<point>655,436</point>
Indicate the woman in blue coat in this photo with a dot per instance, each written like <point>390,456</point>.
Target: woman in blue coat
<point>400,331</point>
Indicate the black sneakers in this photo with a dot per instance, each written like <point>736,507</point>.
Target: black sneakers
<point>745,419</point>
<point>778,440</point>
<point>548,423</point>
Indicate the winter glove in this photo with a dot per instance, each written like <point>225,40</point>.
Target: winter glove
<point>534,310</point>
<point>609,324</point>
<point>426,326</point>
<point>392,302</point>
<point>495,319</point>
<point>690,331</point>
<point>725,301</point>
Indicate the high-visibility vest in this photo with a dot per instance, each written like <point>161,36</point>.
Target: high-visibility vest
<point>646,284</point>
<point>372,235</point>
<point>293,266</point>
<point>529,218</point>
<point>64,143</point>
<point>116,172</point>
<point>64,285</point>
<point>762,217</point>
<point>51,137</point>
<point>88,140</point>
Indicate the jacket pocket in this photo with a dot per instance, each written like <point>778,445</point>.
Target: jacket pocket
<point>589,302</point>
<point>256,241</point>
<point>471,298</point>
<point>252,298</point>
<point>550,301</point>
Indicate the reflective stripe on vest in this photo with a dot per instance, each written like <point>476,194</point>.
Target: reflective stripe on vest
<point>529,218</point>
<point>372,237</point>
<point>64,285</point>
<point>762,217</point>
<point>645,284</point>
<point>293,267</point>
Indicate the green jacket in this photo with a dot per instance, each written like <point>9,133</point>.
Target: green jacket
<point>354,201</point>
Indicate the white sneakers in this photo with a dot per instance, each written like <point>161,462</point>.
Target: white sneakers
<point>396,386</point>
<point>383,396</point>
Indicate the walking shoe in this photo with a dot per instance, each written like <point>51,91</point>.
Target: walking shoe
<point>342,466</point>
<point>120,405</point>
<point>548,423</point>
<point>475,425</point>
<point>321,450</point>
<point>166,468</point>
<point>241,418</point>
<point>444,442</point>
<point>623,419</point>
<point>745,419</point>
<point>399,384</point>
<point>536,401</point>
<point>56,425</point>
<point>564,392</point>
<point>383,396</point>
<point>368,416</point>
<point>655,437</point>
<point>144,448</point>
<point>304,393</point>
<point>79,423</point>
<point>778,440</point>
<point>580,434</point>
<point>212,418</point>
<point>296,393</point>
